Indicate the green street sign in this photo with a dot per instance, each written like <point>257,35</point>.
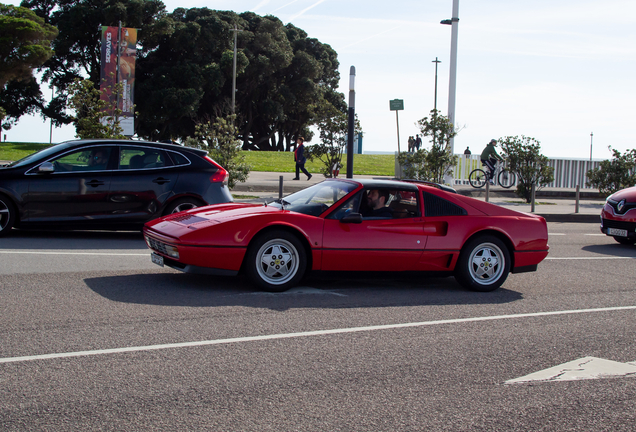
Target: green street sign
<point>396,105</point>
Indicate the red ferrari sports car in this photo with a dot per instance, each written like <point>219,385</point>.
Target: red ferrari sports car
<point>618,217</point>
<point>353,225</point>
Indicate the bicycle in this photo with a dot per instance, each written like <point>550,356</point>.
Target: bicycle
<point>506,178</point>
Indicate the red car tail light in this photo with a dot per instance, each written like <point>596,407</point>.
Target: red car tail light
<point>221,176</point>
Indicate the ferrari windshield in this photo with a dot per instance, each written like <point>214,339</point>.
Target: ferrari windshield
<point>317,198</point>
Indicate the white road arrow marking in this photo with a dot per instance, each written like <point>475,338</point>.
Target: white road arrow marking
<point>583,368</point>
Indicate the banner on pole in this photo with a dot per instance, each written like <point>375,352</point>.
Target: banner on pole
<point>124,46</point>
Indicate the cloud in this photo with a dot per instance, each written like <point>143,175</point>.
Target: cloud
<point>283,6</point>
<point>293,17</point>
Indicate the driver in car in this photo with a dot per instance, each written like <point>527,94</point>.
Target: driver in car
<point>376,204</point>
<point>97,160</point>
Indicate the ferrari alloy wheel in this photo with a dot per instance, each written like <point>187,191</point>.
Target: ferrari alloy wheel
<point>7,215</point>
<point>484,264</point>
<point>276,261</point>
<point>182,205</point>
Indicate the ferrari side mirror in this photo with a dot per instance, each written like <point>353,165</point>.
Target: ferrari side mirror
<point>355,218</point>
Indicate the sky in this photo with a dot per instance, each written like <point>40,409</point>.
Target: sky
<point>555,70</point>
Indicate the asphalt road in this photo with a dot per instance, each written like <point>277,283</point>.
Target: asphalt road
<point>95,337</point>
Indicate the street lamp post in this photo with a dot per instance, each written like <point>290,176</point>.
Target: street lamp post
<point>591,138</point>
<point>352,115</point>
<point>454,22</point>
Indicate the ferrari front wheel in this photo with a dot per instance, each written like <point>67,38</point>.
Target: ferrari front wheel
<point>484,264</point>
<point>276,261</point>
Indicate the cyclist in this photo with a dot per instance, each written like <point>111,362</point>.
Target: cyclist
<point>489,158</point>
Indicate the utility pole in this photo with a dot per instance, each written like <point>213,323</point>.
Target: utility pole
<point>52,97</point>
<point>436,63</point>
<point>236,31</point>
<point>591,138</point>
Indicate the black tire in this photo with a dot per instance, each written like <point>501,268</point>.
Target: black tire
<point>506,178</point>
<point>276,261</point>
<point>182,204</point>
<point>477,178</point>
<point>7,215</point>
<point>484,264</point>
<point>625,241</point>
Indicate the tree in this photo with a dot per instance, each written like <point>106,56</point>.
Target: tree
<point>20,97</point>
<point>333,129</point>
<point>25,44</point>
<point>283,78</point>
<point>90,120</point>
<point>436,163</point>
<point>616,174</point>
<point>525,159</point>
<point>221,138</point>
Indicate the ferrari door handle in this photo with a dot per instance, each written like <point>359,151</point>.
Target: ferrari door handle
<point>161,180</point>
<point>95,183</point>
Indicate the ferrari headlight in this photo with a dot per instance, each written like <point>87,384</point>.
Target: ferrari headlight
<point>172,251</point>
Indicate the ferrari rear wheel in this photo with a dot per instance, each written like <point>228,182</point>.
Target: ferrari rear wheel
<point>484,264</point>
<point>276,261</point>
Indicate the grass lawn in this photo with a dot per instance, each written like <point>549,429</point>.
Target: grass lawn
<point>380,165</point>
<point>14,151</point>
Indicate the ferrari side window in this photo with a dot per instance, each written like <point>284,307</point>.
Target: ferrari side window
<point>404,204</point>
<point>350,206</point>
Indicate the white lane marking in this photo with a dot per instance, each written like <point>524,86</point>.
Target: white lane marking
<point>597,235</point>
<point>306,334</point>
<point>589,258</point>
<point>147,254</point>
<point>556,234</point>
<point>583,368</point>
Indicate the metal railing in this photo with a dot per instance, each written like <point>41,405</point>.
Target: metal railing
<point>568,173</point>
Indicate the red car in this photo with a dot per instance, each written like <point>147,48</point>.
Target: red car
<point>618,217</point>
<point>329,227</point>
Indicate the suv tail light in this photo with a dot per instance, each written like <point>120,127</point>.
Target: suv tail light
<point>221,176</point>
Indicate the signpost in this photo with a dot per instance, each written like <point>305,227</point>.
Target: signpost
<point>397,105</point>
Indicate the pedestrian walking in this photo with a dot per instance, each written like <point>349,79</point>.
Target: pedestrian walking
<point>467,151</point>
<point>299,157</point>
<point>411,144</point>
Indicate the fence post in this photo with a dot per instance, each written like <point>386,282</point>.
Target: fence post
<point>280,187</point>
<point>532,193</point>
<point>487,191</point>
<point>578,196</point>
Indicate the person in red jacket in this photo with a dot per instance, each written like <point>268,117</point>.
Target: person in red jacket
<point>299,157</point>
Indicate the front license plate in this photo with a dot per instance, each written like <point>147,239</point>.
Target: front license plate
<point>158,259</point>
<point>617,232</point>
